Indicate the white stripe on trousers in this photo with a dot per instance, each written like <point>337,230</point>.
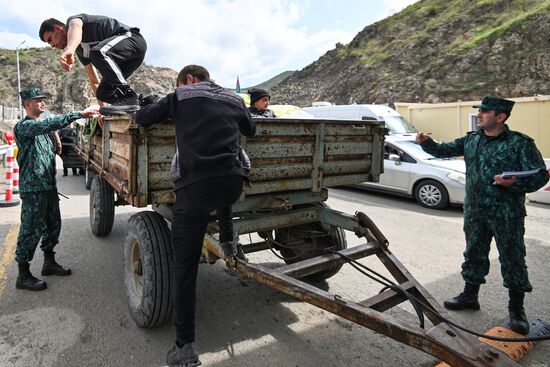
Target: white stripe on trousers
<point>110,61</point>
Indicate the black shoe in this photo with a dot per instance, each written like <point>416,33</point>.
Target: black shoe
<point>518,319</point>
<point>185,356</point>
<point>30,283</point>
<point>25,280</point>
<point>462,302</point>
<point>127,102</point>
<point>229,249</point>
<point>51,267</point>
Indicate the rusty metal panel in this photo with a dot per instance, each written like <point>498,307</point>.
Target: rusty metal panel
<point>266,173</point>
<point>279,186</point>
<point>120,145</point>
<point>279,149</point>
<point>160,150</point>
<point>159,177</point>
<point>282,128</point>
<point>340,180</point>
<point>162,197</point>
<point>275,220</point>
<point>287,155</point>
<point>347,147</point>
<point>345,167</point>
<point>118,124</point>
<point>164,129</point>
<point>142,172</point>
<point>360,129</point>
<point>118,169</point>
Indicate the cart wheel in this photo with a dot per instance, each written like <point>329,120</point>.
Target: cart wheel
<point>102,207</point>
<point>89,176</point>
<point>147,272</point>
<point>305,239</point>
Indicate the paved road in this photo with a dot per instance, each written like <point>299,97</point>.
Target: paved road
<point>83,320</point>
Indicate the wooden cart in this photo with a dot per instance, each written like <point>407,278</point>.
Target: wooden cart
<point>294,161</point>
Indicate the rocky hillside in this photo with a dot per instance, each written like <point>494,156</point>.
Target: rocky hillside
<point>39,67</point>
<point>434,51</point>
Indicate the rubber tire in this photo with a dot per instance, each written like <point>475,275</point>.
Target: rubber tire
<point>102,207</point>
<point>89,176</point>
<point>336,237</point>
<point>436,188</point>
<point>151,305</point>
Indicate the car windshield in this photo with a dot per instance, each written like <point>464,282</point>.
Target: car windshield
<point>414,149</point>
<point>398,125</point>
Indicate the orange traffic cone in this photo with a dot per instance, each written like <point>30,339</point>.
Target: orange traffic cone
<point>9,200</point>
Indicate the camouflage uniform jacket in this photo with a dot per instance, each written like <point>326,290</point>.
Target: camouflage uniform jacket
<point>36,157</point>
<point>486,157</point>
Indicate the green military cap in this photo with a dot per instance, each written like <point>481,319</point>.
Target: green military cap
<point>33,93</point>
<point>495,103</point>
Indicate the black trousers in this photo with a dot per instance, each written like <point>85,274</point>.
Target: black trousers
<point>191,215</point>
<point>116,58</point>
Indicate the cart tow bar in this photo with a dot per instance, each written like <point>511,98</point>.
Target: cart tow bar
<point>445,342</point>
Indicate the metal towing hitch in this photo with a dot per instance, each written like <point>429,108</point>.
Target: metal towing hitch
<point>441,340</point>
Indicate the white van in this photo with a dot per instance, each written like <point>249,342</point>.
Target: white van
<point>394,121</point>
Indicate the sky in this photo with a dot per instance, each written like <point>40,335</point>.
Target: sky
<point>254,40</point>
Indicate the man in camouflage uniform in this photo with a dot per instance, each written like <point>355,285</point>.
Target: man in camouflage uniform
<point>40,217</point>
<point>494,206</point>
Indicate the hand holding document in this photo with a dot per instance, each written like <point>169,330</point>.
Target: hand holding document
<point>519,174</point>
<point>510,177</point>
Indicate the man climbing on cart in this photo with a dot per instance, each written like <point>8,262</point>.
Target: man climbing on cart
<point>207,175</point>
<point>113,48</point>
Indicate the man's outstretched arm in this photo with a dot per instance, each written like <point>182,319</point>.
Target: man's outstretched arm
<point>74,37</point>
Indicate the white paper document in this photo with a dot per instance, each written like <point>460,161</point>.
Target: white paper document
<point>519,174</point>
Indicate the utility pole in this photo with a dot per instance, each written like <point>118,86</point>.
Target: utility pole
<point>19,80</point>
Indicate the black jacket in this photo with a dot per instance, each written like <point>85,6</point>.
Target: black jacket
<point>208,119</point>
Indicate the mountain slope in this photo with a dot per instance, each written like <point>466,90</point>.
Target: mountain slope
<point>433,51</point>
<point>273,82</point>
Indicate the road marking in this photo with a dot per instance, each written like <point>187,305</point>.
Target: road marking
<point>7,255</point>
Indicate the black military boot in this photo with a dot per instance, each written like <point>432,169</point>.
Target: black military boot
<point>466,300</point>
<point>25,280</point>
<point>518,319</point>
<point>51,267</point>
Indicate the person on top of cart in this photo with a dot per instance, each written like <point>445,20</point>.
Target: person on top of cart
<point>494,205</point>
<point>208,175</point>
<point>259,103</point>
<point>113,48</point>
<point>40,216</point>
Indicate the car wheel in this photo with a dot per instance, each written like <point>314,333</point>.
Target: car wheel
<point>431,194</point>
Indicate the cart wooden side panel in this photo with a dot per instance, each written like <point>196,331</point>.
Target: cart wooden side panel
<point>287,155</point>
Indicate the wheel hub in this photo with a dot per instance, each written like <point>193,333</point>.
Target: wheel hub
<point>136,268</point>
<point>430,195</point>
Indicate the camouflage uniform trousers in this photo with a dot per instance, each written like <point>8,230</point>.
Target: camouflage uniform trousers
<point>40,219</point>
<point>508,233</point>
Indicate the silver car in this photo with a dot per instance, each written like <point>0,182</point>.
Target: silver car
<point>410,171</point>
